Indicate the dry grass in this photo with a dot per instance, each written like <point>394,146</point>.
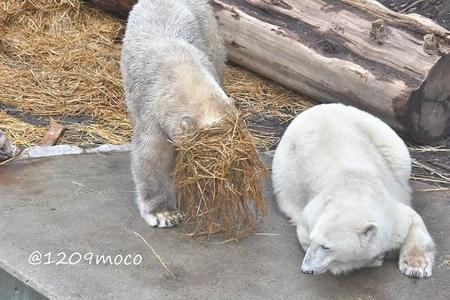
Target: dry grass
<point>159,257</point>
<point>61,58</point>
<point>266,107</point>
<point>219,179</point>
<point>431,165</point>
<point>254,94</point>
<point>21,133</point>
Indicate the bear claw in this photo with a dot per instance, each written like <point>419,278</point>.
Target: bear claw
<point>163,219</point>
<point>416,272</point>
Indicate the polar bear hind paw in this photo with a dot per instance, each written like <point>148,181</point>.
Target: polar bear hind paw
<point>163,219</point>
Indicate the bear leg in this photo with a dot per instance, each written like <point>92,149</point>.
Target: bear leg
<point>152,160</point>
<point>417,253</point>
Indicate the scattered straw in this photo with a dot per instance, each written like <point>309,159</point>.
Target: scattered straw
<point>161,260</point>
<point>266,107</point>
<point>445,260</point>
<point>21,134</point>
<point>433,190</point>
<point>87,188</point>
<point>432,171</point>
<point>9,160</point>
<point>219,178</point>
<point>425,149</point>
<point>266,234</point>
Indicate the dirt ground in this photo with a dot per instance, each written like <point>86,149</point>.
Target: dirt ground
<point>437,10</point>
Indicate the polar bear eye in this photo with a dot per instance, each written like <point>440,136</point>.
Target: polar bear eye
<point>324,247</point>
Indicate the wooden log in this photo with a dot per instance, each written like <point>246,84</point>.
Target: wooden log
<point>357,52</point>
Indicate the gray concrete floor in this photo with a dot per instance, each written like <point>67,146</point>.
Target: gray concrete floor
<point>84,203</point>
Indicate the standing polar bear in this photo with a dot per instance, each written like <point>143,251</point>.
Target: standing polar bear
<point>172,64</point>
<point>342,176</point>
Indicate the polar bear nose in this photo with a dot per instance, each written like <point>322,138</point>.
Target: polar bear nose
<point>306,270</point>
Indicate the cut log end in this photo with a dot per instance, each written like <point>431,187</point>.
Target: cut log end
<point>430,105</point>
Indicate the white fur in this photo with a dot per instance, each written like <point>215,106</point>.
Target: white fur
<point>342,176</point>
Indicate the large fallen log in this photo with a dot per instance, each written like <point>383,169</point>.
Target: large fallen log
<point>357,52</point>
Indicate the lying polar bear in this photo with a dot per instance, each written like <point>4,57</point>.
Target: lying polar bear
<point>342,176</point>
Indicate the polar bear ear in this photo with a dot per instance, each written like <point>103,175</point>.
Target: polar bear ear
<point>369,230</point>
<point>187,124</point>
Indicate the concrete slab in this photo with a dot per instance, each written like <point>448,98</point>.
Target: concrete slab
<point>83,204</point>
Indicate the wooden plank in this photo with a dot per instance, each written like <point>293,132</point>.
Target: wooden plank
<point>53,135</point>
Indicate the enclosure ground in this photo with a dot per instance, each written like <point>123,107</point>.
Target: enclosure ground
<point>84,204</point>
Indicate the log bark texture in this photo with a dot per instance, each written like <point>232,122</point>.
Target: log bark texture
<point>357,52</point>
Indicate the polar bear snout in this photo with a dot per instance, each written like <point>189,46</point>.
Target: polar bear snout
<point>306,266</point>
<point>316,261</point>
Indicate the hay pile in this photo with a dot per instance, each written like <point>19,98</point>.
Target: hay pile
<point>219,178</point>
<point>59,58</point>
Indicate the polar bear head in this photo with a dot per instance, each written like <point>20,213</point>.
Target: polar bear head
<point>194,100</point>
<point>344,240</point>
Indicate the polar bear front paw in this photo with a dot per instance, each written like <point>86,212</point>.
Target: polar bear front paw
<point>163,219</point>
<point>416,263</point>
